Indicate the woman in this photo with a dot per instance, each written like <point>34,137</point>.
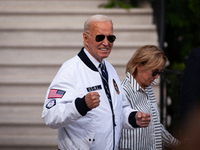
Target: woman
<point>143,68</point>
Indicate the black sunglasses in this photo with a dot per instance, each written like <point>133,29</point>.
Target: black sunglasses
<point>101,37</point>
<point>155,72</point>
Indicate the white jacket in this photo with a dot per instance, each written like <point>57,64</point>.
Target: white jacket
<point>94,129</point>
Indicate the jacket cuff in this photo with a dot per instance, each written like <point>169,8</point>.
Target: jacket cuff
<point>81,106</point>
<point>132,120</point>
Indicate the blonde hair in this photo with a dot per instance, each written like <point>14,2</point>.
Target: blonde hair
<point>95,18</point>
<point>149,55</point>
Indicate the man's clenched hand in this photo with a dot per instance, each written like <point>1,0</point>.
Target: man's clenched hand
<point>142,119</point>
<point>92,100</point>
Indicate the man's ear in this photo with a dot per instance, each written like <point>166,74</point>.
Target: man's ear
<point>85,38</point>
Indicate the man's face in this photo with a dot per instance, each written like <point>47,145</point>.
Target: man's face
<point>102,49</point>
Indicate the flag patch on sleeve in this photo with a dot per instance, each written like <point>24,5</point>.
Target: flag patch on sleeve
<point>55,93</point>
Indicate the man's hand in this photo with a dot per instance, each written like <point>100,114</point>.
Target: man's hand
<point>142,119</point>
<point>92,99</point>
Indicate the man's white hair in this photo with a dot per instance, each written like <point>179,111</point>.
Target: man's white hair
<point>95,18</point>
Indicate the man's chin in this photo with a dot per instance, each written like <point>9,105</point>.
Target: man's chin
<point>105,56</point>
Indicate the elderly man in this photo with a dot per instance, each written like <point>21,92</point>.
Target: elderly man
<point>85,101</point>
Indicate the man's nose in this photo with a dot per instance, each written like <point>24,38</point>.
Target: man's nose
<point>105,41</point>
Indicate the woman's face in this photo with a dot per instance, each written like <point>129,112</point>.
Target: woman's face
<point>144,76</point>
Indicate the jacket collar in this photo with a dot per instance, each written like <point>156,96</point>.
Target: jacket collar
<point>133,82</point>
<point>86,60</point>
<point>136,87</point>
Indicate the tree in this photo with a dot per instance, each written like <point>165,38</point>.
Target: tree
<point>182,29</point>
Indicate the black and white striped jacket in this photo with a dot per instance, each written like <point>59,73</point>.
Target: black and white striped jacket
<point>152,137</point>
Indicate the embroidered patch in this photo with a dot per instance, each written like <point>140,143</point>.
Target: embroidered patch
<point>51,104</point>
<point>55,93</point>
<point>94,88</point>
<point>116,87</point>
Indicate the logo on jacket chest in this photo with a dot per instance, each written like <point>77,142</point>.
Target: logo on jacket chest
<point>116,87</point>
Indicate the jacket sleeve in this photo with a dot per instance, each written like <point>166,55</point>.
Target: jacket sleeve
<point>167,139</point>
<point>129,113</point>
<point>61,110</point>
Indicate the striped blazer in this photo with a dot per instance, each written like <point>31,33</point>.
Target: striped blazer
<point>152,137</point>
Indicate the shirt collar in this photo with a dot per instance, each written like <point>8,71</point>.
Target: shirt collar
<point>93,60</point>
<point>136,87</point>
<point>133,82</point>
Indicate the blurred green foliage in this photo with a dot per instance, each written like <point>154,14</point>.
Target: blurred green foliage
<point>125,4</point>
<point>182,35</point>
<point>182,30</point>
